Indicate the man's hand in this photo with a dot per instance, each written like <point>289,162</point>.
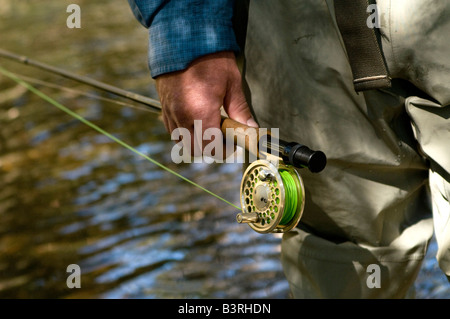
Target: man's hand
<point>198,92</point>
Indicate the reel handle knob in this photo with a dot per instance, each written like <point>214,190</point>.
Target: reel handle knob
<point>247,218</point>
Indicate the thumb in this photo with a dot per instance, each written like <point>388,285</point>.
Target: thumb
<point>237,108</point>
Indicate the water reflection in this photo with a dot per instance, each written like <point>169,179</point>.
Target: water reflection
<point>71,196</point>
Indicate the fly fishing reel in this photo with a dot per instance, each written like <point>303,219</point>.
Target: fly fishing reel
<point>272,198</point>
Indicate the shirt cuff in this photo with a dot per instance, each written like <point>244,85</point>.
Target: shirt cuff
<point>175,43</point>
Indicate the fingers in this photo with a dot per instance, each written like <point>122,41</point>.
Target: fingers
<point>238,109</point>
<point>235,103</point>
<point>192,99</point>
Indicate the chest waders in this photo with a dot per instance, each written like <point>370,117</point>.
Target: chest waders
<point>273,196</point>
<point>362,45</point>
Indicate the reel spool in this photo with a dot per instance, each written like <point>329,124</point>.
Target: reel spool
<point>272,199</point>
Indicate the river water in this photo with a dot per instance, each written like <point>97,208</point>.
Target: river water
<point>69,195</point>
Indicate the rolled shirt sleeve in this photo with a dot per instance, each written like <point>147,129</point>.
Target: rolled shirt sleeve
<point>182,30</point>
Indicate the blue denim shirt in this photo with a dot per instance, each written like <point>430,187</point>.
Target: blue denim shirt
<point>183,30</point>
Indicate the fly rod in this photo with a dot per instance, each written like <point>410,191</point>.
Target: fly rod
<point>293,153</point>
<point>272,196</point>
<point>83,79</point>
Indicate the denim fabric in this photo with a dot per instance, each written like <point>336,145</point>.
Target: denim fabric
<point>182,30</point>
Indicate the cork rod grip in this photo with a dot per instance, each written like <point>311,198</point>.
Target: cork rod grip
<point>243,135</point>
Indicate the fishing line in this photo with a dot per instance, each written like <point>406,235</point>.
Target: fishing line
<point>291,197</point>
<point>149,102</point>
<point>101,131</point>
<point>82,93</point>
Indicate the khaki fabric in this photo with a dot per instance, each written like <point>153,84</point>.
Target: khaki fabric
<point>373,202</point>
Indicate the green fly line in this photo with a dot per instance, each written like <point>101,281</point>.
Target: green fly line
<point>291,197</point>
<point>101,131</point>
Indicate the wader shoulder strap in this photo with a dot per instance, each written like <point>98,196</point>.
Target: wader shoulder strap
<point>363,50</point>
